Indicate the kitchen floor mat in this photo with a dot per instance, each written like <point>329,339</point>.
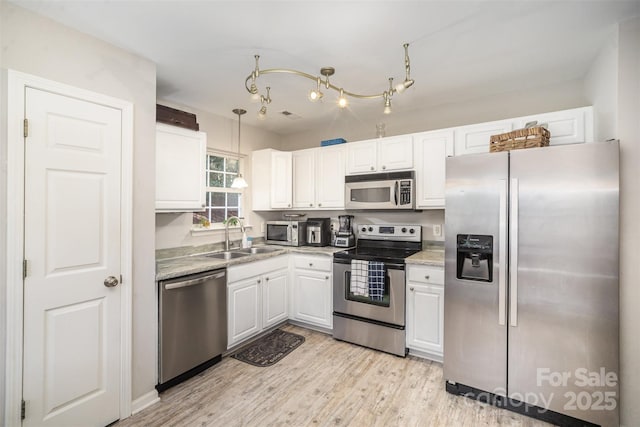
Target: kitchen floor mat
<point>269,349</point>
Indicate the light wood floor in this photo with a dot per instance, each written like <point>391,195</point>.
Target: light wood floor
<point>323,382</point>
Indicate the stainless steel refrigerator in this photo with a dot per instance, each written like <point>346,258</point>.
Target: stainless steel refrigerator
<point>531,281</point>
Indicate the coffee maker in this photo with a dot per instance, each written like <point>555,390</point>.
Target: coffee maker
<point>344,236</point>
<point>318,231</point>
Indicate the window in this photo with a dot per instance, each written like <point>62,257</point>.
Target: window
<point>222,201</point>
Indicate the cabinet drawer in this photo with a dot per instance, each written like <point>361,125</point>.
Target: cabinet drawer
<point>256,268</point>
<point>319,263</point>
<point>430,275</point>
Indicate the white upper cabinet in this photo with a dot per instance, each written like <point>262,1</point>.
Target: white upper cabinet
<point>362,157</point>
<point>475,138</point>
<point>304,178</point>
<point>180,169</point>
<point>566,127</point>
<point>271,180</point>
<point>395,153</point>
<point>318,178</point>
<point>330,168</point>
<point>431,151</point>
<point>380,155</point>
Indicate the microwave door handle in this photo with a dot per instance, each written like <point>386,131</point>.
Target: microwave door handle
<point>289,233</point>
<point>395,193</point>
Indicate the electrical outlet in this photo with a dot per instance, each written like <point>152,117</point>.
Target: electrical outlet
<point>262,227</point>
<point>437,230</point>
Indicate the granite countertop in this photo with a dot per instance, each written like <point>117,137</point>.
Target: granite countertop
<point>170,268</point>
<point>430,256</point>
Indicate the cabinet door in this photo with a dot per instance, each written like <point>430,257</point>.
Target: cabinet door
<point>566,127</point>
<point>475,138</point>
<point>432,150</point>
<point>313,295</point>
<point>395,153</point>
<point>244,311</point>
<point>274,298</point>
<point>180,165</point>
<point>361,157</point>
<point>281,179</point>
<point>330,177</point>
<point>425,313</point>
<point>304,178</point>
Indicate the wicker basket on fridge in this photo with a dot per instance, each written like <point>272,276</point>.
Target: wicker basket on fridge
<point>536,136</point>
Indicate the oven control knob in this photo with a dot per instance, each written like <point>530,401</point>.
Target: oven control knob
<point>370,229</point>
<point>411,230</point>
<point>364,229</point>
<point>404,229</point>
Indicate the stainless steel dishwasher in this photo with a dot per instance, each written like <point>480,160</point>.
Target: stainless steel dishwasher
<point>192,325</point>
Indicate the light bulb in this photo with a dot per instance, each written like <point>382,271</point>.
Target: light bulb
<point>315,95</point>
<point>401,87</point>
<point>262,114</point>
<point>342,101</point>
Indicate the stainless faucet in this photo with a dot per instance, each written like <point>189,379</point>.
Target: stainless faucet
<point>226,230</point>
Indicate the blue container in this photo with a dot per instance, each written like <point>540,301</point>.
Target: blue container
<point>332,142</point>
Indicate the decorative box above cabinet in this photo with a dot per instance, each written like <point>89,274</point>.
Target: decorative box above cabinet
<point>380,155</point>
<point>180,169</point>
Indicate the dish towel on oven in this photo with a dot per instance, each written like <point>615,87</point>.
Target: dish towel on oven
<point>376,280</point>
<point>359,278</point>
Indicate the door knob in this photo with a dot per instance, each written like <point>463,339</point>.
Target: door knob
<point>110,282</point>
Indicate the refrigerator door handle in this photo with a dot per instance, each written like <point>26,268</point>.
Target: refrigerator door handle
<point>513,264</point>
<point>502,248</point>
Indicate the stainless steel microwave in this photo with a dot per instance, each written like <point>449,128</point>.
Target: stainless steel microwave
<point>287,233</point>
<point>392,190</point>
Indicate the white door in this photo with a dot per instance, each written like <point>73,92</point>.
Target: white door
<point>330,177</point>
<point>72,245</point>
<point>313,297</point>
<point>304,178</point>
<point>274,298</point>
<point>244,315</point>
<point>395,153</point>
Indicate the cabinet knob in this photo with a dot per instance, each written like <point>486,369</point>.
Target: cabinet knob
<point>310,264</point>
<point>319,204</point>
<point>310,205</point>
<point>289,205</point>
<point>371,167</point>
<point>266,279</point>
<point>412,289</point>
<point>259,280</point>
<point>326,277</point>
<point>202,206</point>
<point>426,277</point>
<point>383,167</point>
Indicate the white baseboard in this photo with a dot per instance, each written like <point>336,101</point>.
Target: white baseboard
<point>144,401</point>
<point>426,355</point>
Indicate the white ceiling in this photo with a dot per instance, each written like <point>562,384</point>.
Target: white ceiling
<point>459,49</point>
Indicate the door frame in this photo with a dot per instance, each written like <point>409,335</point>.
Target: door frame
<point>17,82</point>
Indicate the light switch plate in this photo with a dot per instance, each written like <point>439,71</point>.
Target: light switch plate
<point>437,230</point>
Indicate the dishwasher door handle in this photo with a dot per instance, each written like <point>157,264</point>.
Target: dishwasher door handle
<point>194,282</point>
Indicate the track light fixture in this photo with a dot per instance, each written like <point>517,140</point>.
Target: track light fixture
<point>315,94</point>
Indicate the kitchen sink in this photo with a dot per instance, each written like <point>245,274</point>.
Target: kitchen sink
<point>259,250</point>
<point>228,255</point>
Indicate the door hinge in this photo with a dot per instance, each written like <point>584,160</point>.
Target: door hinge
<point>25,269</point>
<point>26,127</point>
<point>23,410</point>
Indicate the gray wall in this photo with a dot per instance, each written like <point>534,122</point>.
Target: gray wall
<point>629,134</point>
<point>39,46</point>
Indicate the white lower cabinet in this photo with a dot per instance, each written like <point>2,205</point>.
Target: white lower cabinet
<point>257,295</point>
<point>425,311</point>
<point>312,290</point>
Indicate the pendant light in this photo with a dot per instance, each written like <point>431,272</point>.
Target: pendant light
<point>238,181</point>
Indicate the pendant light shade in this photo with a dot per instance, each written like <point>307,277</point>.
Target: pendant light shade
<point>239,181</point>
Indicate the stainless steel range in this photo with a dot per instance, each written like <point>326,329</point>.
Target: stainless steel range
<point>369,286</point>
